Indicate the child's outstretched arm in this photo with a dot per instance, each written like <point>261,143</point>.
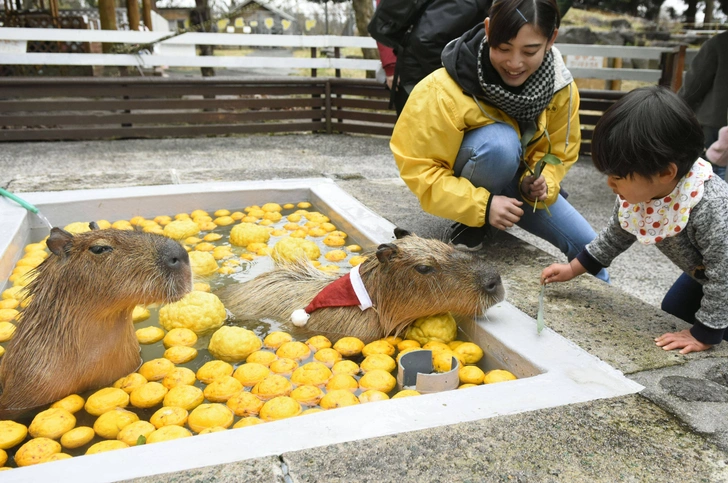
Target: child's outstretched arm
<point>682,340</point>
<point>562,272</point>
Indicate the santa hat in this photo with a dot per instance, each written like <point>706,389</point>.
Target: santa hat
<point>343,292</point>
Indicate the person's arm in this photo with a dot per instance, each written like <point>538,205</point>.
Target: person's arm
<point>562,122</point>
<point>598,254</point>
<point>425,143</point>
<point>389,61</point>
<point>711,235</point>
<point>562,272</point>
<point>699,78</point>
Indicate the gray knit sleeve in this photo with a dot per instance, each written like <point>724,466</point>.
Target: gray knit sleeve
<point>710,228</point>
<point>611,241</point>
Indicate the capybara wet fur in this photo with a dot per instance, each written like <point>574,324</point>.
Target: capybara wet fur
<point>76,333</point>
<point>409,278</point>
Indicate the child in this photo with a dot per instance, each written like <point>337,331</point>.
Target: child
<point>648,145</point>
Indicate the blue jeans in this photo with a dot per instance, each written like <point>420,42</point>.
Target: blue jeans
<point>489,157</point>
<point>684,298</point>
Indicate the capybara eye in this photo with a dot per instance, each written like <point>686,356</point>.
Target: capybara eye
<point>424,269</point>
<point>99,249</point>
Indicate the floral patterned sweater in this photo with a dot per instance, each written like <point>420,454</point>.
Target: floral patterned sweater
<point>698,245</point>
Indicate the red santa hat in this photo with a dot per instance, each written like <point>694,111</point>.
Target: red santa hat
<point>343,292</point>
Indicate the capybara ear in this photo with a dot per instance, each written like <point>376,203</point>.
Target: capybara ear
<point>401,233</point>
<point>59,242</point>
<point>386,251</point>
<point>94,226</point>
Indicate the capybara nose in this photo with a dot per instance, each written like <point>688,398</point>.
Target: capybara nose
<point>174,256</point>
<point>492,284</point>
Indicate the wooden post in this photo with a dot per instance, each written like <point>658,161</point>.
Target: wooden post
<point>107,18</point>
<point>328,107</point>
<point>313,56</point>
<point>667,63</point>
<point>679,68</point>
<point>616,85</point>
<point>132,12</point>
<point>337,55</point>
<point>313,74</point>
<point>53,5</point>
<point>147,14</point>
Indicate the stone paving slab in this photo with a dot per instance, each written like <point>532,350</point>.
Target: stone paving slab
<point>260,470</point>
<point>695,392</point>
<point>625,439</point>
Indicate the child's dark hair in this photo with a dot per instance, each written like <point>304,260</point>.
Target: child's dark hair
<point>508,16</point>
<point>644,132</point>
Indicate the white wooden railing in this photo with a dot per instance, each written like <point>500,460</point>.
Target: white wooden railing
<point>179,51</point>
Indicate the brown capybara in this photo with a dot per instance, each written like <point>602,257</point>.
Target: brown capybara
<point>408,278</point>
<point>76,332</point>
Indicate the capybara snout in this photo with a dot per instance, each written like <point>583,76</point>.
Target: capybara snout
<point>173,256</point>
<point>76,332</point>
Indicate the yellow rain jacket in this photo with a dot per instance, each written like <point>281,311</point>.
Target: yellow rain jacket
<point>430,130</point>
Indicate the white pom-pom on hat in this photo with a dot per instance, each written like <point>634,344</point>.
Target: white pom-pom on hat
<point>343,292</point>
<point>299,317</point>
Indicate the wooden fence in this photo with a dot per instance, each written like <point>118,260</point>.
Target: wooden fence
<point>43,109</point>
<point>167,49</point>
<point>38,108</point>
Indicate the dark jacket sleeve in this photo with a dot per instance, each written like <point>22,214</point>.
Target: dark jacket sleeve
<point>699,79</point>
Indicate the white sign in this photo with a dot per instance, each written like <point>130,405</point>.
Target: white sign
<point>13,46</point>
<point>585,61</point>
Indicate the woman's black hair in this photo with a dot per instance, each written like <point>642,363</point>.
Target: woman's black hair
<point>508,16</point>
<point>644,132</point>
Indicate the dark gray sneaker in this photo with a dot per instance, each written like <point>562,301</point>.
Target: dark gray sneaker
<point>467,237</point>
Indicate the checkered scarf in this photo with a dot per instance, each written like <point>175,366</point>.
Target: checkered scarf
<point>533,99</point>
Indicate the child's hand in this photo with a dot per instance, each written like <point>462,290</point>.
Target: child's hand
<point>683,340</point>
<point>558,272</point>
<point>534,188</point>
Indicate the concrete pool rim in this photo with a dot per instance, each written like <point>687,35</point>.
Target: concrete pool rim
<point>568,374</point>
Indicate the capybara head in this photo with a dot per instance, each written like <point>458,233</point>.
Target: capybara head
<point>416,277</point>
<point>76,332</point>
<point>114,268</point>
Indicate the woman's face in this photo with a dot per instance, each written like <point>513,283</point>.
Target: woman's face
<point>521,56</point>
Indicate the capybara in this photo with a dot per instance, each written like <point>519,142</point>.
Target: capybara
<point>76,332</point>
<point>410,277</point>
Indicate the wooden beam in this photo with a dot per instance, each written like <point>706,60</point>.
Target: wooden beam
<point>107,18</point>
<point>147,14</point>
<point>132,12</point>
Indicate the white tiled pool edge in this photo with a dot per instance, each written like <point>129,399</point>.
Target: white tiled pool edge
<point>570,375</point>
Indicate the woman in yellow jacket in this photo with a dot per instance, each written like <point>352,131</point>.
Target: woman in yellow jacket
<point>502,101</point>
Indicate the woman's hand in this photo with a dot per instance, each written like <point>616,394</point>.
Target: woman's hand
<point>683,340</point>
<point>504,212</point>
<point>534,188</point>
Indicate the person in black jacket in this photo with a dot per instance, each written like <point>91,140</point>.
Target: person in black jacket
<point>419,55</point>
<point>706,89</point>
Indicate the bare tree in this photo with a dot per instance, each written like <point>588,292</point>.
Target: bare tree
<point>709,6</point>
<point>363,10</point>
